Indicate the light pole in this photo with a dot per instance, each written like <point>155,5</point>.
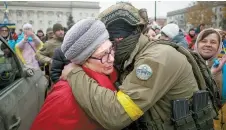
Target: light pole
<point>155,9</point>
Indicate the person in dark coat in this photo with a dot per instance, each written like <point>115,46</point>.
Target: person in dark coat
<point>59,61</point>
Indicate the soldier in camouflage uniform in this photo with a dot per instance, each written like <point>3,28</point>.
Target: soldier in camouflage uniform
<point>151,76</point>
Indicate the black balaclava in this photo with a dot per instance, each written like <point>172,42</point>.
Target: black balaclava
<point>120,29</point>
<point>124,48</point>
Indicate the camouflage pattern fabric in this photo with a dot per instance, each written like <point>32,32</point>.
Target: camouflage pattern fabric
<point>122,10</point>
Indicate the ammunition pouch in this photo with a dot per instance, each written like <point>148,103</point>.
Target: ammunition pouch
<point>194,115</point>
<point>185,123</point>
<point>203,119</point>
<point>182,115</point>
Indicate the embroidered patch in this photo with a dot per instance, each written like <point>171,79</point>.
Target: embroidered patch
<point>144,72</point>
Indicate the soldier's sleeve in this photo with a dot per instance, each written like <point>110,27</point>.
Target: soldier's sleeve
<point>145,85</point>
<point>42,55</point>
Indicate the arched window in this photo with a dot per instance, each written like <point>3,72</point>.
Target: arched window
<point>19,13</point>
<point>31,22</point>
<point>50,23</point>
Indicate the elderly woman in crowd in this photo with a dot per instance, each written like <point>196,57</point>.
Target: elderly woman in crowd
<point>28,44</point>
<point>209,45</point>
<point>150,32</point>
<point>85,44</point>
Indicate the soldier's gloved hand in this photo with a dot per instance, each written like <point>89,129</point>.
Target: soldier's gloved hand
<point>215,70</point>
<point>67,69</point>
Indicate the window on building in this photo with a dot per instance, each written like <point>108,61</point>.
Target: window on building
<point>59,15</point>
<point>31,22</point>
<point>40,14</point>
<point>19,13</point>
<point>50,23</point>
<point>19,21</point>
<point>80,14</point>
<point>40,22</point>
<point>220,9</point>
<point>50,13</point>
<point>28,14</point>
<point>93,15</point>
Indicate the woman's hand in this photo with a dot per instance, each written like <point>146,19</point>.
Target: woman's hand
<point>215,70</point>
<point>67,69</point>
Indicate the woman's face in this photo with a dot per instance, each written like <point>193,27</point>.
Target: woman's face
<point>151,34</point>
<point>102,59</point>
<point>208,47</point>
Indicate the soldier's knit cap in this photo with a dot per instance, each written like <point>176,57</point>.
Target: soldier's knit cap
<point>57,27</point>
<point>48,30</point>
<point>83,39</point>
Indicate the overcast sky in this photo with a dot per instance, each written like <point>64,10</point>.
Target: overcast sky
<point>162,6</point>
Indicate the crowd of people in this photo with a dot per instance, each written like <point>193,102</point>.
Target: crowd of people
<point>121,72</point>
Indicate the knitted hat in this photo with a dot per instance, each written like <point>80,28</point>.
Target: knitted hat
<point>57,27</point>
<point>49,30</point>
<point>40,31</point>
<point>83,39</point>
<point>171,30</point>
<point>27,25</point>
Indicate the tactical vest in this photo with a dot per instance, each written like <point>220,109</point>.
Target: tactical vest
<point>199,120</point>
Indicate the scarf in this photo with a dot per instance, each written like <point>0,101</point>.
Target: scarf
<point>102,79</point>
<point>123,50</point>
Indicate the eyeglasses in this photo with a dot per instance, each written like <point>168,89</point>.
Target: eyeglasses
<point>105,58</point>
<point>4,30</point>
<point>27,29</point>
